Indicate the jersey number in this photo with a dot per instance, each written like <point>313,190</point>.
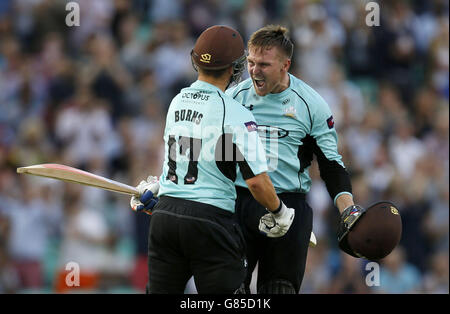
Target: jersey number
<point>184,143</point>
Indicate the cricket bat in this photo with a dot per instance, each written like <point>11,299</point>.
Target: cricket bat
<point>70,174</point>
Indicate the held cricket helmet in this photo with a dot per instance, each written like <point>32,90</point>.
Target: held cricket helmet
<point>219,47</point>
<point>376,233</point>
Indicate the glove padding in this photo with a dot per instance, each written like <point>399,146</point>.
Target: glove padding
<point>348,219</point>
<point>277,225</point>
<point>148,190</point>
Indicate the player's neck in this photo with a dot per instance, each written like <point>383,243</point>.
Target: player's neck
<point>220,82</point>
<point>283,85</point>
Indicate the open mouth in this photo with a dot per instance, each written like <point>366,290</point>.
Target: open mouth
<point>259,83</point>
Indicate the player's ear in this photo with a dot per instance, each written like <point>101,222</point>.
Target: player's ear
<point>286,64</point>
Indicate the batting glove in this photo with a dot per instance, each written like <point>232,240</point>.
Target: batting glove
<point>147,199</point>
<point>277,224</point>
<point>348,219</point>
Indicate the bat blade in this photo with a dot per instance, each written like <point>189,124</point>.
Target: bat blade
<point>70,174</point>
<point>312,240</point>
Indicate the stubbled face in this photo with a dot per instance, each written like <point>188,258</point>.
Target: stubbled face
<point>268,69</point>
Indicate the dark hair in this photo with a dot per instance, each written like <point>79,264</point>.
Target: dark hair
<point>272,36</point>
<point>214,73</point>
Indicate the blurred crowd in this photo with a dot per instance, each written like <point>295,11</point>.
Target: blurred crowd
<point>94,96</point>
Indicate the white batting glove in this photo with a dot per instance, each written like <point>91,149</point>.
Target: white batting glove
<point>147,199</point>
<point>151,184</point>
<point>277,225</point>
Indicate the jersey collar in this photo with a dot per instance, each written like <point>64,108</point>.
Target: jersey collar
<point>284,93</point>
<point>205,86</point>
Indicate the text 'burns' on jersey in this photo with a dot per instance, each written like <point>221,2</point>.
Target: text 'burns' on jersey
<point>293,125</point>
<point>208,136</point>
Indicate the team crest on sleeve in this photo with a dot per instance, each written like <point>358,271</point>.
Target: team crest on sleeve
<point>251,126</point>
<point>330,122</point>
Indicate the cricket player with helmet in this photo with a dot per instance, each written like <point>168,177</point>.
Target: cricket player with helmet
<point>208,138</point>
<point>294,123</point>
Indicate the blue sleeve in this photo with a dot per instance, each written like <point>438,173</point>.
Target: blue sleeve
<point>324,142</point>
<point>324,132</point>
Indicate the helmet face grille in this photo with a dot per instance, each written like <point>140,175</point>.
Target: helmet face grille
<point>193,62</point>
<point>238,68</point>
